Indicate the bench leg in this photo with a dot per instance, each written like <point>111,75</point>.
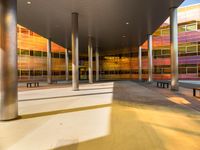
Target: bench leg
<point>159,85</point>
<point>194,92</point>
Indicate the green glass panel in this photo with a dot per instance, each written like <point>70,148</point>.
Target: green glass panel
<point>166,52</point>
<point>181,29</point>
<point>182,50</point>
<point>192,49</point>
<point>37,53</point>
<point>191,27</point>
<point>165,32</point>
<point>25,52</point>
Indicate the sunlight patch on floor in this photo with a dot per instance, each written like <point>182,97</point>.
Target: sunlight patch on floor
<point>178,100</point>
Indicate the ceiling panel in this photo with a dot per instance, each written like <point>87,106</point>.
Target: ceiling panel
<point>105,20</point>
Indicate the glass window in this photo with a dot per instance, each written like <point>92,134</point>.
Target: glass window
<point>55,73</point>
<point>62,72</point>
<point>166,52</point>
<point>157,70</point>
<point>44,54</point>
<point>44,72</point>
<point>157,52</point>
<point>191,70</point>
<point>192,49</point>
<point>191,65</point>
<point>18,51</point>
<point>31,53</point>
<point>38,73</point>
<point>181,29</point>
<point>32,73</point>
<point>145,53</point>
<point>165,32</point>
<point>55,55</point>
<point>166,70</point>
<point>191,27</point>
<point>144,71</point>
<point>199,69</point>
<point>181,50</point>
<point>24,72</point>
<point>182,70</point>
<point>18,72</point>
<point>70,73</point>
<point>135,71</point>
<point>62,55</point>
<point>182,65</point>
<point>37,53</point>
<point>25,52</point>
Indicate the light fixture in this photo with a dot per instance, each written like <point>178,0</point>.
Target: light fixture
<point>29,2</point>
<point>124,36</point>
<point>127,23</point>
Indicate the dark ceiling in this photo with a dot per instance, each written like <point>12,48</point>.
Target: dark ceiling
<point>105,20</point>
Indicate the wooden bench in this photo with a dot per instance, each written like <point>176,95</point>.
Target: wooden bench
<point>162,84</point>
<point>35,83</point>
<point>194,92</point>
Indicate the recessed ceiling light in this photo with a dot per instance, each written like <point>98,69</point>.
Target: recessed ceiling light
<point>124,36</point>
<point>29,2</point>
<point>127,23</point>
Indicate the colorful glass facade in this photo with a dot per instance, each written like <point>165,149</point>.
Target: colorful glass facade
<point>32,53</point>
<point>124,65</point>
<point>120,64</point>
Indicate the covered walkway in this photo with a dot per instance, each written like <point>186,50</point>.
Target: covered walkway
<point>122,115</point>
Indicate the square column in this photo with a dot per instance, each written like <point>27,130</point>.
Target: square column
<point>174,48</point>
<point>75,52</point>
<point>140,64</point>
<point>97,63</point>
<point>49,62</point>
<point>90,60</point>
<point>8,60</point>
<point>67,64</point>
<point>150,59</point>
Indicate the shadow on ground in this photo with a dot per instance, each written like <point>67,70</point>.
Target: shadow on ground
<point>142,118</point>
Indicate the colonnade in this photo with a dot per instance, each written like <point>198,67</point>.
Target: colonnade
<point>8,57</point>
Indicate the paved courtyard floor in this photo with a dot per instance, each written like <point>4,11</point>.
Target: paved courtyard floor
<point>121,115</point>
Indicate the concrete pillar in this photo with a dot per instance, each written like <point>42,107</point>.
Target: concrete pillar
<point>174,49</point>
<point>90,60</point>
<point>97,63</point>
<point>75,52</point>
<point>140,63</point>
<point>67,64</point>
<point>49,61</point>
<point>150,59</point>
<point>8,60</point>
